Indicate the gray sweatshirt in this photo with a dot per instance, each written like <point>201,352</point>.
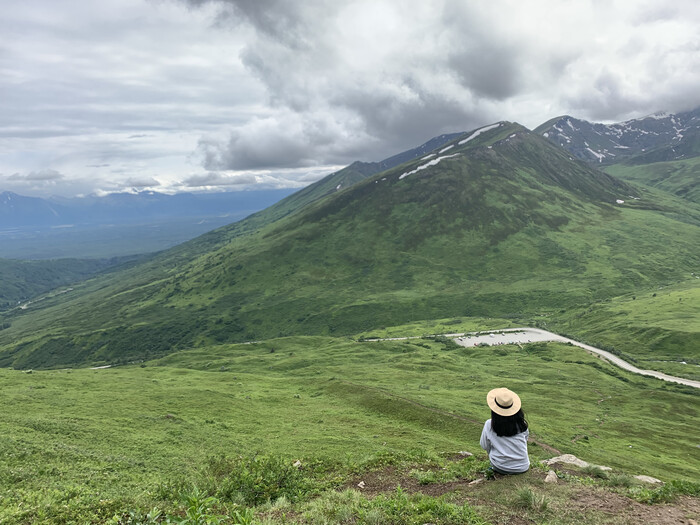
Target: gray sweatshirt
<point>507,453</point>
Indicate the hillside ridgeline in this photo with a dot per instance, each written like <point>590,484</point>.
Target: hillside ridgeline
<point>496,222</point>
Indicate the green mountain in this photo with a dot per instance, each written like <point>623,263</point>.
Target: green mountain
<point>21,281</point>
<point>678,177</point>
<point>496,222</point>
<point>340,180</point>
<point>673,166</point>
<point>659,151</point>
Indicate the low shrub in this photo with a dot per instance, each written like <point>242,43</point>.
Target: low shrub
<point>526,498</point>
<point>667,492</point>
<point>595,471</point>
<point>620,480</point>
<point>256,479</point>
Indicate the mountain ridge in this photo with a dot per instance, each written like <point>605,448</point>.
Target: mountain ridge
<point>498,222</point>
<point>660,136</point>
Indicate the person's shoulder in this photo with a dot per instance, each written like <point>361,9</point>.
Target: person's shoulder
<point>487,424</point>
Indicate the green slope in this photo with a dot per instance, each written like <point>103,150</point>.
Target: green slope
<point>679,177</point>
<point>21,281</point>
<point>80,446</point>
<point>657,328</point>
<point>504,224</point>
<point>338,181</point>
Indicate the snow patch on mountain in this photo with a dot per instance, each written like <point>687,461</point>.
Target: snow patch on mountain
<point>426,165</point>
<point>479,132</point>
<point>600,156</point>
<point>594,142</point>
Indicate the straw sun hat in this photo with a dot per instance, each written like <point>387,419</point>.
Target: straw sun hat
<point>503,402</point>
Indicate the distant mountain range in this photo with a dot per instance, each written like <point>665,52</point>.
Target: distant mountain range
<point>130,208</point>
<point>656,138</point>
<point>660,137</point>
<point>148,206</point>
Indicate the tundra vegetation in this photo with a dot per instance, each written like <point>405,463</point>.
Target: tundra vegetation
<point>243,389</point>
<point>216,431</point>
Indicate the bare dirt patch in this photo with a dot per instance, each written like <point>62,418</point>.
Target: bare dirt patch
<point>612,504</point>
<point>545,446</point>
<point>570,498</point>
<point>389,479</point>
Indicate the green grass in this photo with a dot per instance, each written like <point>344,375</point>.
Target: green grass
<point>398,508</point>
<point>657,328</point>
<point>528,499</point>
<point>194,425</point>
<point>87,444</point>
<point>679,177</point>
<point>21,281</point>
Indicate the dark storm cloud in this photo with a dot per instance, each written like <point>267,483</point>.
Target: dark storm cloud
<point>332,107</point>
<point>363,79</point>
<point>264,143</point>
<point>282,20</point>
<point>489,73</point>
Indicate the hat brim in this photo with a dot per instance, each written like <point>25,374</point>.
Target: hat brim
<point>491,400</point>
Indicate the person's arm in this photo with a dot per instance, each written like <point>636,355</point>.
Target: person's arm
<point>484,441</point>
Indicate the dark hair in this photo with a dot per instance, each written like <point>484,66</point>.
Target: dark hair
<point>508,425</point>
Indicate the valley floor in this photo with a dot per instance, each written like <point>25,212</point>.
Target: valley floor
<point>519,336</point>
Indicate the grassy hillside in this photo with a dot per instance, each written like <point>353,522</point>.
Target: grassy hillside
<point>656,328</point>
<point>504,224</point>
<point>679,177</point>
<point>85,445</point>
<point>24,280</point>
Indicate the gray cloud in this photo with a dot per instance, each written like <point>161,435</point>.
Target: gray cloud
<point>392,77</point>
<point>112,92</point>
<point>656,13</point>
<point>148,182</point>
<point>47,175</point>
<point>218,179</point>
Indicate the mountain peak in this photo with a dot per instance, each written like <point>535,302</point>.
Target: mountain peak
<point>670,136</point>
<point>7,195</point>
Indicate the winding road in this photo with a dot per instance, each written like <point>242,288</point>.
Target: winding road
<point>531,335</point>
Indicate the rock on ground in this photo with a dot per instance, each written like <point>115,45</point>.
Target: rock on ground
<point>572,460</point>
<point>647,479</point>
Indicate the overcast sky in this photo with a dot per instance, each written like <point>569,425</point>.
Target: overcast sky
<point>189,95</point>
